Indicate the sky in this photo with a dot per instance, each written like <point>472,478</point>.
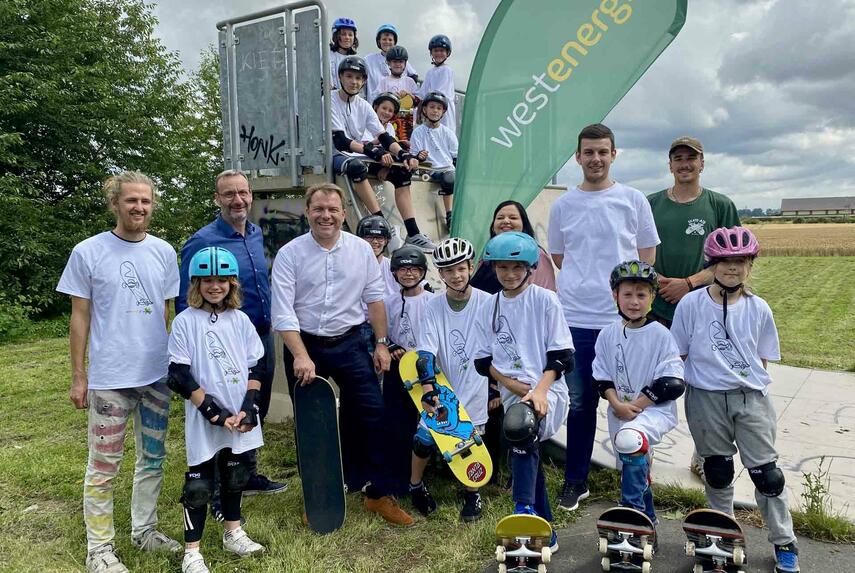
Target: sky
<point>768,86</point>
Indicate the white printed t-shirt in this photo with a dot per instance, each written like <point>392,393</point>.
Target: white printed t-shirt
<point>356,118</point>
<point>523,330</point>
<point>127,284</point>
<point>390,129</point>
<point>454,338</point>
<point>633,358</point>
<point>440,143</point>
<point>716,361</point>
<point>392,84</point>
<point>392,286</point>
<point>220,355</point>
<point>441,79</point>
<point>403,330</point>
<point>595,231</point>
<point>378,70</point>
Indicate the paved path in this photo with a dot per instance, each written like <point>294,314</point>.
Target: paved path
<point>578,541</point>
<point>816,419</point>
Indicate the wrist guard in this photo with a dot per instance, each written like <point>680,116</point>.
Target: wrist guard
<point>404,156</point>
<point>250,406</point>
<point>493,393</point>
<point>210,410</point>
<point>375,153</point>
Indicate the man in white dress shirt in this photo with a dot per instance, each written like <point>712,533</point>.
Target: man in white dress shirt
<point>319,281</point>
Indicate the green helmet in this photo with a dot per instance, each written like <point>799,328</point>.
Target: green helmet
<point>634,271</point>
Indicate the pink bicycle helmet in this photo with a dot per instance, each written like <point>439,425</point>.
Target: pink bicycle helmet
<point>734,242</point>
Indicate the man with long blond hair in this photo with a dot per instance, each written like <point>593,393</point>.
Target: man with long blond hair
<point>120,282</point>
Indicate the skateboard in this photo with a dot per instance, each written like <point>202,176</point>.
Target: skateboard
<point>319,455</point>
<point>523,544</point>
<point>626,535</point>
<point>714,539</point>
<point>459,444</point>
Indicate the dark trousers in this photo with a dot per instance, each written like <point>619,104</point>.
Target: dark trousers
<point>496,445</point>
<point>582,420</point>
<point>529,482</point>
<point>194,522</point>
<point>351,368</point>
<point>401,419</point>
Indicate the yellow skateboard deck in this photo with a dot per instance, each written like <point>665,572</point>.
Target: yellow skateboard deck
<point>523,543</point>
<point>523,525</point>
<point>459,444</point>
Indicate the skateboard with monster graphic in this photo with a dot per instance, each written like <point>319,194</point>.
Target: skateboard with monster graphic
<point>456,438</point>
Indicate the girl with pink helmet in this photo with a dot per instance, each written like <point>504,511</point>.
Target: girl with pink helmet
<point>727,335</point>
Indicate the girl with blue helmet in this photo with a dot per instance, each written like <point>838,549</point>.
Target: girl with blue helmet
<point>529,364</point>
<point>344,43</point>
<point>214,353</point>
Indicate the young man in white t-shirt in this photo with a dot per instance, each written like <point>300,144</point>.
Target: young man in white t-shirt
<point>437,143</point>
<point>352,119</point>
<point>120,283</point>
<point>592,227</point>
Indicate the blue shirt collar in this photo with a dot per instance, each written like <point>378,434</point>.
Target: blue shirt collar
<point>228,231</point>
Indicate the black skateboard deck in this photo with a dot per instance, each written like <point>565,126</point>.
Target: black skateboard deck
<point>319,455</point>
<point>626,539</point>
<point>715,540</point>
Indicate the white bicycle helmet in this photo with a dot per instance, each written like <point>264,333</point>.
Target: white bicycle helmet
<point>452,251</point>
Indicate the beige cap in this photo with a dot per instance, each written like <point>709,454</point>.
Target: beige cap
<point>686,141</point>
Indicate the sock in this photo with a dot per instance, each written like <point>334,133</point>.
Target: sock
<point>416,486</point>
<point>412,227</point>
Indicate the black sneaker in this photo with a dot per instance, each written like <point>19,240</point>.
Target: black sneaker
<point>471,506</point>
<point>422,499</point>
<point>217,514</point>
<point>259,484</point>
<point>571,495</point>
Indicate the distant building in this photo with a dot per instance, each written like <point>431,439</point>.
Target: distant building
<point>818,206</point>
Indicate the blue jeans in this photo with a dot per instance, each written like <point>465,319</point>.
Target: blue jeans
<point>635,490</point>
<point>529,483</point>
<point>582,419</point>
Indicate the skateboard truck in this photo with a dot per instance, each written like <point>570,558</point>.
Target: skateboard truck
<point>714,552</point>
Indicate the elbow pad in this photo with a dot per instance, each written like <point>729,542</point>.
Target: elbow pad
<point>559,360</point>
<point>180,380</point>
<point>385,140</point>
<point>341,141</point>
<point>603,385</point>
<point>664,389</point>
<point>258,371</point>
<point>482,365</point>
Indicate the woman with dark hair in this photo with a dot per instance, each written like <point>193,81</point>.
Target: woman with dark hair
<point>511,216</point>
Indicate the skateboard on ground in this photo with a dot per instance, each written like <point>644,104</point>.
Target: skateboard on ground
<point>523,544</point>
<point>715,540</point>
<point>319,454</point>
<point>626,540</point>
<point>459,444</point>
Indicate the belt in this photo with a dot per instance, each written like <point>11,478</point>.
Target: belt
<point>329,340</point>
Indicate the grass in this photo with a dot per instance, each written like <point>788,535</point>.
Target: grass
<point>806,240</point>
<point>818,518</point>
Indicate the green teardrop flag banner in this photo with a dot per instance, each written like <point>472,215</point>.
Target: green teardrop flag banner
<point>544,70</point>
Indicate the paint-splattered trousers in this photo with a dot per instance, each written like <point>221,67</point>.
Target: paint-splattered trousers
<point>109,414</point>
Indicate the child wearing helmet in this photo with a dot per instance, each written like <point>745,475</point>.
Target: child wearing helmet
<point>214,353</point>
<point>404,312</point>
<point>344,43</point>
<point>451,331</point>
<point>727,335</point>
<point>352,120</point>
<point>528,350</point>
<point>440,78</point>
<point>437,143</point>
<point>375,231</point>
<point>638,370</point>
<point>377,62</point>
<point>386,105</point>
<point>396,81</point>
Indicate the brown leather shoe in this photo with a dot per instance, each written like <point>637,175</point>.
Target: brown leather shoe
<point>387,508</point>
<point>305,519</point>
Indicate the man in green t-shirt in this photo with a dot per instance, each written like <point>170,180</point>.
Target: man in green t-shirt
<point>685,214</point>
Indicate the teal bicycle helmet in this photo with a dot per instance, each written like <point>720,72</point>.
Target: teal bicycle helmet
<point>213,262</point>
<point>512,246</point>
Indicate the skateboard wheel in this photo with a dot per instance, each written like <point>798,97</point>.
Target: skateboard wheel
<point>603,546</point>
<point>738,556</point>
<point>606,564</point>
<point>478,439</point>
<point>698,568</point>
<point>447,457</point>
<point>503,568</point>
<point>645,567</point>
<point>500,553</point>
<point>541,568</point>
<point>546,555</point>
<point>647,552</point>
<point>690,548</point>
<point>425,177</point>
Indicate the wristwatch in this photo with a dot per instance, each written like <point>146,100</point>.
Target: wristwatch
<point>384,341</point>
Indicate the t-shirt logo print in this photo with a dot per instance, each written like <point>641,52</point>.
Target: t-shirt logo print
<point>217,351</point>
<point>458,346</point>
<point>131,281</point>
<point>505,338</point>
<point>696,227</point>
<point>407,331</point>
<point>730,352</point>
<point>622,383</point>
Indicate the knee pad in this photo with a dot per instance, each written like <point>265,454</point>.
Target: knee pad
<point>234,475</point>
<point>768,479</point>
<point>355,170</point>
<point>198,489</point>
<point>520,425</point>
<point>399,177</point>
<point>446,184</point>
<point>718,471</point>
<point>421,449</point>
<point>630,441</point>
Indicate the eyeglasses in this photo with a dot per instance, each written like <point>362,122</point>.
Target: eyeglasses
<point>230,195</point>
<point>376,239</point>
<point>409,270</point>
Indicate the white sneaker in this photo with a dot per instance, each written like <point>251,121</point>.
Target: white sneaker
<point>153,540</point>
<point>395,240</point>
<point>421,241</point>
<point>193,563</point>
<point>239,543</point>
<point>104,560</point>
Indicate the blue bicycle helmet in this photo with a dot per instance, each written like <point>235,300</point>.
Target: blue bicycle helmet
<point>343,23</point>
<point>386,28</point>
<point>213,262</point>
<point>512,246</point>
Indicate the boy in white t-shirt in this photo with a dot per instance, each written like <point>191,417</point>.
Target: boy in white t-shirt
<point>378,62</point>
<point>451,332</point>
<point>528,350</point>
<point>396,81</point>
<point>727,335</point>
<point>352,119</point>
<point>434,142</point>
<point>639,371</point>
<point>592,227</point>
<point>405,311</point>
<point>440,78</point>
<point>214,353</point>
<point>375,231</point>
